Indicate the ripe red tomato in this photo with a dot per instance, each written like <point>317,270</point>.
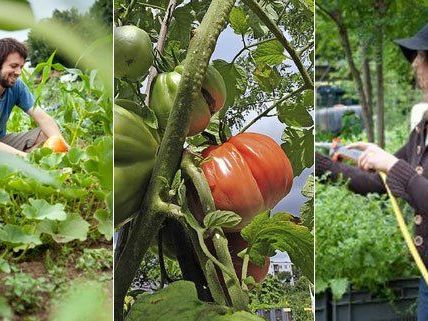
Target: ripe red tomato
<point>57,144</point>
<point>236,244</point>
<point>248,174</point>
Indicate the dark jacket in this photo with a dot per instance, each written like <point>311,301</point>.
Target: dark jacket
<point>407,179</point>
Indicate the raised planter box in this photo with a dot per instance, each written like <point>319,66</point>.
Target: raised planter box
<point>364,306</point>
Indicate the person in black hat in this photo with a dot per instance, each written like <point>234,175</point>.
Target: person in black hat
<point>407,169</point>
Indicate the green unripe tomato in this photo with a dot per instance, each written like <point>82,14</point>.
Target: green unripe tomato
<point>133,54</point>
<point>135,147</point>
<point>211,98</point>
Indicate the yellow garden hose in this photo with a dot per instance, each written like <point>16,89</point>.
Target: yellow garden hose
<point>407,238</point>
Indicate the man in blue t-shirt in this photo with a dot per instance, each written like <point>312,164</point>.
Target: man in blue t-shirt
<point>13,92</point>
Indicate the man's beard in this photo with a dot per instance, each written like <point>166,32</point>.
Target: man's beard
<point>4,81</point>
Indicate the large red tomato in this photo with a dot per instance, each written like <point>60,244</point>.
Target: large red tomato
<point>247,174</point>
<point>236,244</point>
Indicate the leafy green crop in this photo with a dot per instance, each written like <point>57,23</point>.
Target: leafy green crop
<point>357,241</point>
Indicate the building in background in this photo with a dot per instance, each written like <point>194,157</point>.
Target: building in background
<point>281,263</point>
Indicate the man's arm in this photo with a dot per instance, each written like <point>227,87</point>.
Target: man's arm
<point>9,149</point>
<point>46,123</point>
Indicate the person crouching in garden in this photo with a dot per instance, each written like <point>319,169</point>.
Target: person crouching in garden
<point>13,92</point>
<point>407,169</point>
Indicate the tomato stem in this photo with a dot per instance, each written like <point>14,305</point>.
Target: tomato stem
<point>224,261</point>
<point>273,27</point>
<point>245,270</point>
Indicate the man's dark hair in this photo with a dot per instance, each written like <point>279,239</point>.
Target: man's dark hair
<point>9,46</point>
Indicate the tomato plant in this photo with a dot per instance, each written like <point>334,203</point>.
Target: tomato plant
<point>237,244</point>
<point>181,99</point>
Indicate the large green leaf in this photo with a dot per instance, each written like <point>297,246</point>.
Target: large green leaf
<point>266,234</point>
<point>179,301</point>
<point>73,228</point>
<point>101,161</point>
<point>19,235</point>
<point>17,164</point>
<point>39,209</point>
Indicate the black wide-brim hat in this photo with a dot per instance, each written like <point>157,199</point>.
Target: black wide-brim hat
<point>410,46</point>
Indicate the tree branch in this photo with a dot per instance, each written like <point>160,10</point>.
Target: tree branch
<point>258,10</point>
<point>337,18</point>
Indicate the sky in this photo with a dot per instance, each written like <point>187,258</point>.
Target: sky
<point>44,8</point>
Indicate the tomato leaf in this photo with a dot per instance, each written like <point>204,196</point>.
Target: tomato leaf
<point>299,147</point>
<point>40,210</point>
<point>221,219</point>
<point>267,77</point>
<point>179,301</point>
<point>235,79</point>
<point>271,53</point>
<point>266,234</point>
<point>294,115</point>
<point>238,21</point>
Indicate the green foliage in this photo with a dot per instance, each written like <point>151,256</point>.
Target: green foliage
<point>24,292</point>
<point>258,76</point>
<point>90,26</point>
<point>361,233</point>
<point>179,301</point>
<point>95,260</point>
<point>307,210</point>
<point>48,198</point>
<point>274,292</point>
<point>266,234</point>
<point>85,300</point>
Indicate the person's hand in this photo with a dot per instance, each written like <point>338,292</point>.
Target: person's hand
<point>373,157</point>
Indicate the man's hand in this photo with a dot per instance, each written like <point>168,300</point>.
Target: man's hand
<point>373,157</point>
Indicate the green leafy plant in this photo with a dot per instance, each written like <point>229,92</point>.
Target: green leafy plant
<point>361,233</point>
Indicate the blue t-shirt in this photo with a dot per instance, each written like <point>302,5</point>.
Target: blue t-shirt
<point>17,95</point>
